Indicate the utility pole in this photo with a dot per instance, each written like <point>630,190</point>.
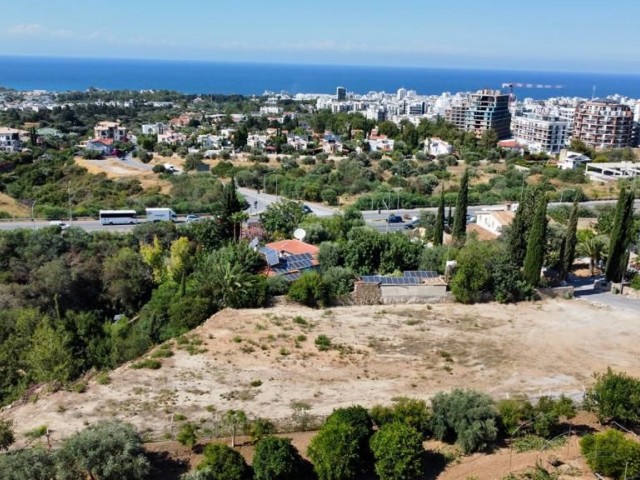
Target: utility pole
<point>69,198</point>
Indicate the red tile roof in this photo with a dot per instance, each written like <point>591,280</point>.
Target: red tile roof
<point>293,247</point>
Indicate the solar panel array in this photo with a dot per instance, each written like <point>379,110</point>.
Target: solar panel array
<point>290,277</point>
<point>270,255</point>
<point>408,278</point>
<point>294,262</point>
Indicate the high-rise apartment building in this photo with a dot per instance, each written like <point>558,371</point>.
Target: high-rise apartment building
<point>488,110</point>
<point>604,124</point>
<point>341,94</point>
<point>540,133</point>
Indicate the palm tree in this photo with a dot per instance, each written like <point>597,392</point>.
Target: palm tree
<point>595,248</point>
<point>231,284</point>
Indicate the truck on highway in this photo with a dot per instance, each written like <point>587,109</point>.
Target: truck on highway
<point>161,215</point>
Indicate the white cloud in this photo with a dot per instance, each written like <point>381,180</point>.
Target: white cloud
<point>26,29</point>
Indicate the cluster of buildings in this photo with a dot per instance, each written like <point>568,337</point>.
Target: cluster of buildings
<point>542,126</point>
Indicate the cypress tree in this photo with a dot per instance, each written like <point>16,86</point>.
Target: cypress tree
<point>459,231</point>
<point>620,237</point>
<point>230,205</point>
<point>570,241</point>
<point>438,234</point>
<point>517,238</point>
<point>536,242</point>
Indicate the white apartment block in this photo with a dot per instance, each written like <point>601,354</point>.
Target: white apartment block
<point>540,133</point>
<point>110,130</point>
<point>153,128</point>
<point>10,140</point>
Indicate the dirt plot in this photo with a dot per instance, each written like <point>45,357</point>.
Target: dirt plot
<point>264,361</point>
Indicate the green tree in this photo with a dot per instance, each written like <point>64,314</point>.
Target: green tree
<point>240,137</point>
<point>593,247</point>
<point>310,290</point>
<point>519,230</point>
<point>229,206</point>
<point>615,397</point>
<point>438,233</point>
<point>398,452</point>
<point>180,259</point>
<point>108,450</point>
<point>334,452</point>
<point>363,250</point>
<point>276,459</point>
<point>570,241</point>
<point>620,237</point>
<point>473,274</point>
<point>49,357</point>
<point>358,418</point>
<point>222,462</point>
<point>236,422</point>
<point>128,280</point>
<point>610,453</point>
<point>187,435</point>
<point>469,418</point>
<point>536,242</point>
<point>6,434</point>
<point>408,411</point>
<point>459,230</point>
<point>31,463</point>
<point>488,140</point>
<point>153,256</point>
<point>282,218</point>
<point>230,285</point>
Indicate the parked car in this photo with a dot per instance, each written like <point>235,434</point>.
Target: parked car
<point>307,209</point>
<point>411,225</point>
<point>192,218</point>
<point>59,223</point>
<point>395,219</point>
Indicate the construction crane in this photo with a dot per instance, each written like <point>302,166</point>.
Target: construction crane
<point>513,85</point>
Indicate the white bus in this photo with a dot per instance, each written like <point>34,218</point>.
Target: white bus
<point>118,217</point>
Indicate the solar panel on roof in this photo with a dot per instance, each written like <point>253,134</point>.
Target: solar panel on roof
<point>370,279</point>
<point>270,255</point>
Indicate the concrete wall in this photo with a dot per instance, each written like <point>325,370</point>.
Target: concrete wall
<point>412,293</point>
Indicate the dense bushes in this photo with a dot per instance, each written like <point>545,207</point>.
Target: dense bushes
<point>615,397</point>
<point>276,459</point>
<point>398,452</point>
<point>466,417</point>
<point>612,454</point>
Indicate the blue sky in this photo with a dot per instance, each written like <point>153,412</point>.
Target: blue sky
<point>580,35</point>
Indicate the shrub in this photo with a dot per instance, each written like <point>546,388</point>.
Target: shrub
<point>147,363</point>
<point>635,282</point>
<point>276,459</point>
<point>615,396</point>
<point>261,428</point>
<point>466,417</point>
<point>106,450</point>
<point>612,454</point>
<point>7,436</point>
<point>358,418</point>
<point>334,452</point>
<point>31,463</point>
<point>323,343</point>
<point>103,378</point>
<point>277,286</point>
<point>410,411</point>
<point>223,462</point>
<point>310,290</point>
<point>187,435</point>
<point>397,450</point>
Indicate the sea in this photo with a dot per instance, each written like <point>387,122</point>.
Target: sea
<point>77,74</point>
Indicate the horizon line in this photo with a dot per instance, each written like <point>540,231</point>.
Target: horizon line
<point>312,64</point>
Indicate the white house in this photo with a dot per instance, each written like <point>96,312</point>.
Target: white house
<point>381,144</point>
<point>436,146</point>
<point>110,130</point>
<point>171,138</point>
<point>495,221</point>
<point>10,140</point>
<point>297,142</point>
<point>153,128</point>
<point>212,142</point>
<point>257,141</point>
<point>570,160</point>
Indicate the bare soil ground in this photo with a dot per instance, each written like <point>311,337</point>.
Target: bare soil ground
<point>264,361</point>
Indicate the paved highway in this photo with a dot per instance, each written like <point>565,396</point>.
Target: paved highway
<point>374,218</point>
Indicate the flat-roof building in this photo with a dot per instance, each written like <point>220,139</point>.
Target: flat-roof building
<point>604,124</point>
